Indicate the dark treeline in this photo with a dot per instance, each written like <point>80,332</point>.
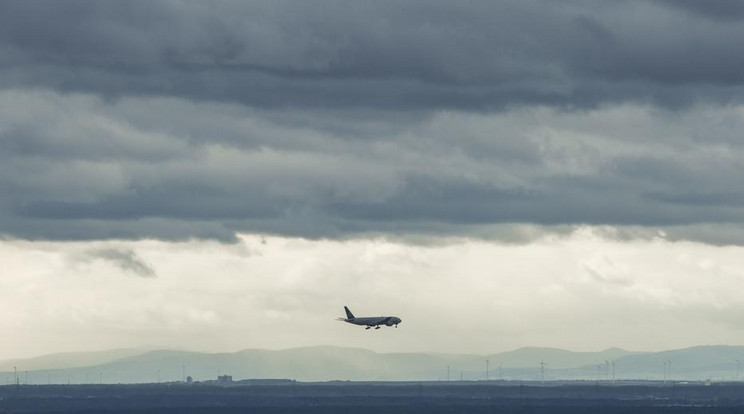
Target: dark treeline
<point>427,397</point>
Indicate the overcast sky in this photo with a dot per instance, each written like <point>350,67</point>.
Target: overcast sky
<point>217,175</point>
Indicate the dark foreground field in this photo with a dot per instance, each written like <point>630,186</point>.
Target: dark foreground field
<point>356,397</point>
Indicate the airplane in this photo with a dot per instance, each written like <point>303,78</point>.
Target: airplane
<point>375,321</point>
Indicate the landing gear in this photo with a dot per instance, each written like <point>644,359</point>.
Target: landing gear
<point>396,326</point>
<point>377,327</point>
<point>367,327</point>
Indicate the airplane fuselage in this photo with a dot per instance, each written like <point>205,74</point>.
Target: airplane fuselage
<point>373,321</point>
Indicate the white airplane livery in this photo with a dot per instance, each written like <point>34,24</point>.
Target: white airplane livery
<point>370,321</point>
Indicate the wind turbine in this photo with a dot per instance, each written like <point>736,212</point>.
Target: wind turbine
<point>669,364</point>
<point>607,369</point>
<point>542,371</point>
<point>738,363</point>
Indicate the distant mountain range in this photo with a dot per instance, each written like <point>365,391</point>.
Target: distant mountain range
<point>325,363</point>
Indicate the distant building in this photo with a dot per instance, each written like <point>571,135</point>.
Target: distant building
<point>224,379</point>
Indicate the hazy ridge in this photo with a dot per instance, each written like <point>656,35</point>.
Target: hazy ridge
<point>323,363</point>
<point>70,359</point>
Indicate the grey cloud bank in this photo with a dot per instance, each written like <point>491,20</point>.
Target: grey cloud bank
<point>417,55</point>
<point>203,119</point>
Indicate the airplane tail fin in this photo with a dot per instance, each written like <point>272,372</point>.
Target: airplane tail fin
<point>349,315</point>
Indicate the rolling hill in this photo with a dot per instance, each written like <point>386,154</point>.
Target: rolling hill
<point>323,363</point>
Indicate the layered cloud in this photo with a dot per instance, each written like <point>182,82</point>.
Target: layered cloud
<point>182,119</point>
<point>76,167</point>
<point>421,55</point>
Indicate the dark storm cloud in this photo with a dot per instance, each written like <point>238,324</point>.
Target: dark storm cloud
<point>467,55</point>
<point>181,119</point>
<point>75,167</point>
<point>716,9</point>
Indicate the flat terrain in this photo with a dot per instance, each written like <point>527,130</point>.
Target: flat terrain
<point>376,397</point>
